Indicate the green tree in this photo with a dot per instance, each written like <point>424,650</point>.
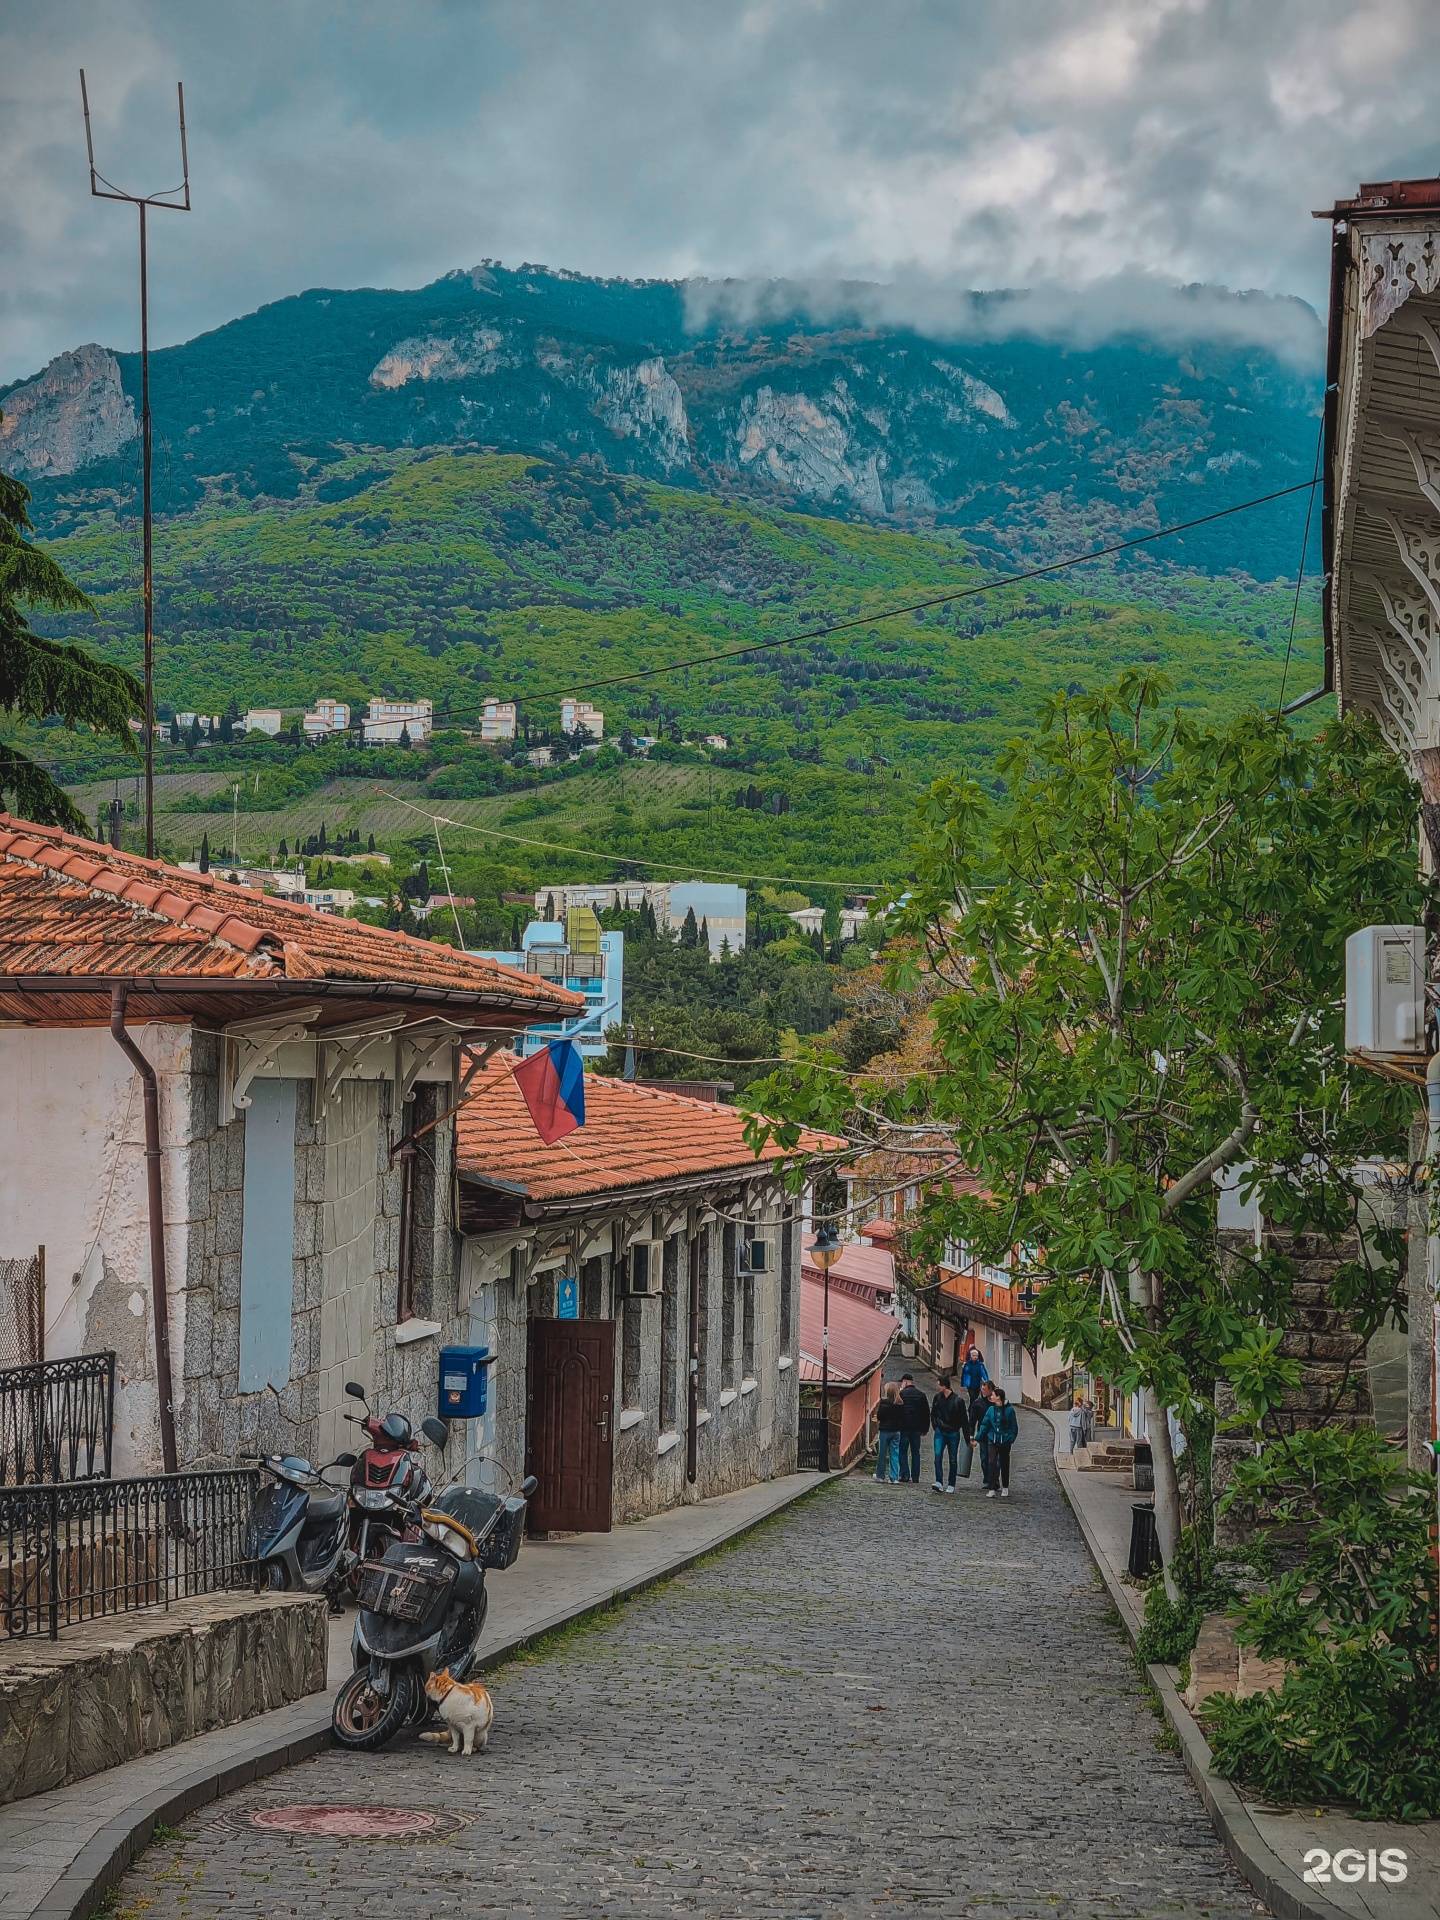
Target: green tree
<point>1139,955</point>
<point>40,677</point>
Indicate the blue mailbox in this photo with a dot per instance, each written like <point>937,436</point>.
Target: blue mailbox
<point>464,1372</point>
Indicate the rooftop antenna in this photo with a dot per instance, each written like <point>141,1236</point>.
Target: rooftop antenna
<point>177,199</point>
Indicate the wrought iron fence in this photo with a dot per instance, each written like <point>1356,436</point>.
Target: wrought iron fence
<point>811,1452</point>
<point>57,1420</point>
<point>96,1547</point>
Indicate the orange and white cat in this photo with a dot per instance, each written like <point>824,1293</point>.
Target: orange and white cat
<point>466,1709</point>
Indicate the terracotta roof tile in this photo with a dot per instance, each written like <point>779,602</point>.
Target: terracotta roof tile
<point>73,907</point>
<point>632,1137</point>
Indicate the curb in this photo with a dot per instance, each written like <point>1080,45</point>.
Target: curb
<point>1279,1886</point>
<point>79,1888</point>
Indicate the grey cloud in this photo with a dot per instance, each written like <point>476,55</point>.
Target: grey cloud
<point>1120,147</point>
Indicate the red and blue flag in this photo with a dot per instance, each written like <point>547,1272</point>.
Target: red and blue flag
<point>553,1084</point>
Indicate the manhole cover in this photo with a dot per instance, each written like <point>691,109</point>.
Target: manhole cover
<point>352,1823</point>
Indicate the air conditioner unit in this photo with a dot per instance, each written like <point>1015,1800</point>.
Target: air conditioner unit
<point>646,1259</point>
<point>754,1256</point>
<point>1385,978</point>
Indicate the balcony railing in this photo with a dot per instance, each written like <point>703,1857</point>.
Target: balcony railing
<point>57,1420</point>
<point>99,1547</point>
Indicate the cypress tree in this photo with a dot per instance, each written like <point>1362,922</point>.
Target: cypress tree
<point>204,853</point>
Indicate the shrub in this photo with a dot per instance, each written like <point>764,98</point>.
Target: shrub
<point>1358,1716</point>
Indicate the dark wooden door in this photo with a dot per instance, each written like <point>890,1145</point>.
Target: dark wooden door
<point>569,1442</point>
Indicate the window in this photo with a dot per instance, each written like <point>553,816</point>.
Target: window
<point>592,1290</point>
<point>700,1253</point>
<point>267,1236</point>
<point>787,1288</point>
<point>747,1326</point>
<point>727,1305</point>
<point>1010,1355</point>
<point>669,1327</point>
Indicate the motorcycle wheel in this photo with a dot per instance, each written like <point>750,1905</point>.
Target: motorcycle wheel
<point>364,1720</point>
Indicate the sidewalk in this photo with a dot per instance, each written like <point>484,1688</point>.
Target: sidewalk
<point>60,1851</point>
<point>1271,1846</point>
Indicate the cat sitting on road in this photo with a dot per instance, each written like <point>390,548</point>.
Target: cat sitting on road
<point>466,1709</point>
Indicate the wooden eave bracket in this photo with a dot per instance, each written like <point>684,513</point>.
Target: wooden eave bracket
<point>256,1043</point>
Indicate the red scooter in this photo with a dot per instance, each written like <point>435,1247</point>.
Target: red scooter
<point>387,1482</point>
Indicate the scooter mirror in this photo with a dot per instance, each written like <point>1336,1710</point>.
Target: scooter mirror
<point>435,1431</point>
<point>528,1486</point>
<point>355,1391</point>
<point>344,1459</point>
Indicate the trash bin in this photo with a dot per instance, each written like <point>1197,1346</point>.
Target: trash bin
<point>1144,1542</point>
<point>1144,1467</point>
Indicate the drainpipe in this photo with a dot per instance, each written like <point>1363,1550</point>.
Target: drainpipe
<point>155,1205</point>
<point>1432,1244</point>
<point>692,1419</point>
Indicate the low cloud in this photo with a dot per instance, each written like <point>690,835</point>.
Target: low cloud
<point>1125,305</point>
<point>1124,148</point>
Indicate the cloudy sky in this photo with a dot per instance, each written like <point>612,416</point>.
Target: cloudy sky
<point>1078,144</point>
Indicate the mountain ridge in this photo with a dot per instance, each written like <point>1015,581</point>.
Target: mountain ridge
<point>1027,445</point>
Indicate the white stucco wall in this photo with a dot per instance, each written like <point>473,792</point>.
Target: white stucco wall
<point>72,1180</point>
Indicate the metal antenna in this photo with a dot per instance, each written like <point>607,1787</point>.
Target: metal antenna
<point>177,200</point>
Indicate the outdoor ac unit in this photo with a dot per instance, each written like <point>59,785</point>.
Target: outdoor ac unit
<point>1385,975</point>
<point>645,1268</point>
<point>754,1256</point>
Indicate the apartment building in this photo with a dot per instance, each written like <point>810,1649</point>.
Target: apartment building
<point>578,714</point>
<point>498,719</point>
<point>263,720</point>
<point>387,720</point>
<point>328,717</point>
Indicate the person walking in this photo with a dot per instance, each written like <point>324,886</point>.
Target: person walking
<point>950,1418</point>
<point>999,1429</point>
<point>978,1410</point>
<point>887,1420</point>
<point>1077,1422</point>
<point>973,1377</point>
<point>915,1420</point>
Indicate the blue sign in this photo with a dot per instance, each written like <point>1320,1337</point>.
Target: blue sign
<point>567,1297</point>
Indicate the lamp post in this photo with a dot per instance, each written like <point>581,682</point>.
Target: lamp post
<point>825,1250</point>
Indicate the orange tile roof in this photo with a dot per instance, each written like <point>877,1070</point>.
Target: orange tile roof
<point>632,1137</point>
<point>73,908</point>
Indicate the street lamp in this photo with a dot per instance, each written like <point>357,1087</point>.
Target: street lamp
<point>825,1250</point>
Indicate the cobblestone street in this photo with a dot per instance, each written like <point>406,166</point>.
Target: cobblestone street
<point>882,1701</point>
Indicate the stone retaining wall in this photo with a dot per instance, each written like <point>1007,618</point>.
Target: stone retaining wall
<point>114,1689</point>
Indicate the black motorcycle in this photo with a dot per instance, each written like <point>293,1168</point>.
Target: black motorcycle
<point>297,1533</point>
<point>422,1609</point>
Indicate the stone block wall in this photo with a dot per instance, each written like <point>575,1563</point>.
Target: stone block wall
<point>1334,1383</point>
<point>115,1689</point>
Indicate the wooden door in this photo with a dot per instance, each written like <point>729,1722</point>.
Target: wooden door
<point>569,1442</point>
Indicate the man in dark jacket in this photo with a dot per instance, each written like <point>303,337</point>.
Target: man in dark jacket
<point>950,1418</point>
<point>915,1420</point>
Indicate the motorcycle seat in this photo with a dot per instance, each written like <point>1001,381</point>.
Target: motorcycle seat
<point>327,1506</point>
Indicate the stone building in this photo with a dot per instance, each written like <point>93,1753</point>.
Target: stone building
<point>594,1269</point>
<point>245,1071</point>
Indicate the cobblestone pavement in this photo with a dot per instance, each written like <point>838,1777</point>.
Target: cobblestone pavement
<point>882,1701</point>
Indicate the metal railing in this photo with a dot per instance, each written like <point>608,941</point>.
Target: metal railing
<point>97,1547</point>
<point>810,1452</point>
<point>57,1420</point>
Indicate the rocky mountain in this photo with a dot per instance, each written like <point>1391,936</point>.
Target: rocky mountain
<point>1026,443</point>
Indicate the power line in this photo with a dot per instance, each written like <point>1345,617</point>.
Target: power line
<point>923,606</point>
<point>624,859</point>
<point>1300,571</point>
